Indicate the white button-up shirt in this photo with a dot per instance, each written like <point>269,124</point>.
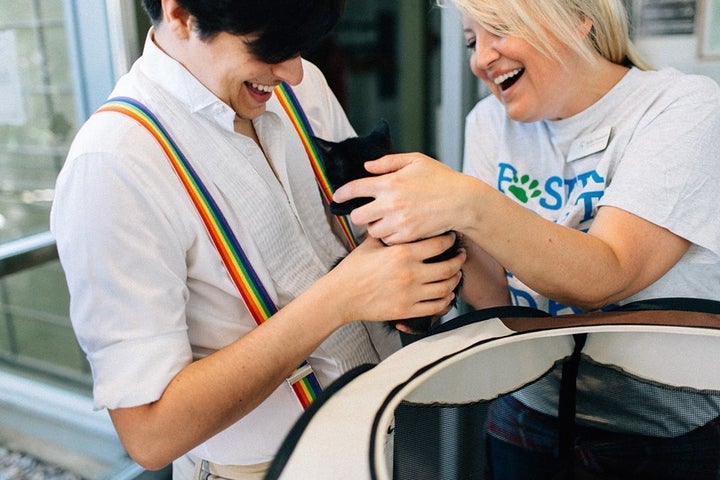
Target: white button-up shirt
<point>148,289</point>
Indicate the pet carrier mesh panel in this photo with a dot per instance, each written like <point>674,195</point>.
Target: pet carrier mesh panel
<point>349,433</point>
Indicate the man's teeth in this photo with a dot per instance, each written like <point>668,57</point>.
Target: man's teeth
<point>263,88</point>
<point>506,76</point>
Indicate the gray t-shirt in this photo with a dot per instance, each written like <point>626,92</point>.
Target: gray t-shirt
<point>650,146</point>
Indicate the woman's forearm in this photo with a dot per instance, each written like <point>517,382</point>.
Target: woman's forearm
<point>484,280</point>
<point>619,256</point>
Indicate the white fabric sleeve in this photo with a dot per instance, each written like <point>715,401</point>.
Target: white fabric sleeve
<point>126,273</point>
<point>671,167</point>
<point>326,115</point>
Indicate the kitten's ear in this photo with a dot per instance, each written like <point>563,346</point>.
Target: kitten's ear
<point>382,131</point>
<point>323,145</point>
<point>382,128</point>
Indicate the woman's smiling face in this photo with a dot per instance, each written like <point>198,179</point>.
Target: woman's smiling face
<point>531,85</point>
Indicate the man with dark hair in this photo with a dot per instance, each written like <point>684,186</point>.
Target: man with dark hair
<point>179,358</point>
<point>282,29</point>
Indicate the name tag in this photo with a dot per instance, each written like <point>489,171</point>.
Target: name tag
<point>589,144</point>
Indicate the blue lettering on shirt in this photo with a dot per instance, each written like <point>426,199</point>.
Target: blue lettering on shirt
<point>586,188</point>
<point>503,178</point>
<point>556,308</point>
<point>521,298</point>
<point>554,190</point>
<point>588,200</point>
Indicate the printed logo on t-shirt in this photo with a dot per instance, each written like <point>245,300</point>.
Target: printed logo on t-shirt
<point>524,188</point>
<point>567,201</point>
<point>522,296</point>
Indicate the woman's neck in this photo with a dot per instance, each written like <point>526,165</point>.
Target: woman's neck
<point>599,81</point>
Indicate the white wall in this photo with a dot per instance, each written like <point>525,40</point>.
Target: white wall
<point>678,51</point>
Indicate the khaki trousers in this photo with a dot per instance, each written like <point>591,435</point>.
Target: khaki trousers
<point>190,467</point>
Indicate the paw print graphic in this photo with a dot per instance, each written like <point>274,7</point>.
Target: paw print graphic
<point>524,189</point>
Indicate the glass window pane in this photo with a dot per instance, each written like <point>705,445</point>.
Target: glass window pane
<point>44,90</point>
<point>35,134</point>
<point>34,326</point>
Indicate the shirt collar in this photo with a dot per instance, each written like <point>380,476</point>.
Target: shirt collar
<point>180,83</point>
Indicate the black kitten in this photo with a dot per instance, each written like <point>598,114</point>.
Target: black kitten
<point>344,162</point>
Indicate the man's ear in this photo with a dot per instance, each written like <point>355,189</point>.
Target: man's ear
<point>176,19</point>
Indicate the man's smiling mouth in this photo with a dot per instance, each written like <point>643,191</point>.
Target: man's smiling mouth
<point>507,80</point>
<point>261,88</point>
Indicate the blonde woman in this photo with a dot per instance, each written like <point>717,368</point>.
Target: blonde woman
<point>589,182</point>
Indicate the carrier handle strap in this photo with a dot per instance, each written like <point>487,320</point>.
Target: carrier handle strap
<point>567,408</point>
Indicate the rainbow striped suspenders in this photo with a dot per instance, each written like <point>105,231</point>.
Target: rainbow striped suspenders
<point>303,380</point>
<point>292,107</point>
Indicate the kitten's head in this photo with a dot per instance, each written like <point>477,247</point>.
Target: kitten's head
<point>344,161</point>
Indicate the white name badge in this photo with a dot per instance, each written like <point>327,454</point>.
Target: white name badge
<point>589,144</point>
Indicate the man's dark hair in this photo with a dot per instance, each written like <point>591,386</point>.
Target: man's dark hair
<point>285,28</point>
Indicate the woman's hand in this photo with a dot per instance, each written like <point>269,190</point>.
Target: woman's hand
<point>415,197</point>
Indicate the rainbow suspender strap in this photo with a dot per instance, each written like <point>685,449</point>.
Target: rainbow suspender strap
<point>303,380</point>
<point>291,105</point>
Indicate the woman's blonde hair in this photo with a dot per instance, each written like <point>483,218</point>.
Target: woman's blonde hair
<point>533,20</point>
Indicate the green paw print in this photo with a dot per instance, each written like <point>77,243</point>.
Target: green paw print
<point>522,190</point>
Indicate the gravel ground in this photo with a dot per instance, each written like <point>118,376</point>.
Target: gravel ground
<point>18,466</point>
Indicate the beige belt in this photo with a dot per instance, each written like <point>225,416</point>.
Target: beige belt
<point>205,470</point>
